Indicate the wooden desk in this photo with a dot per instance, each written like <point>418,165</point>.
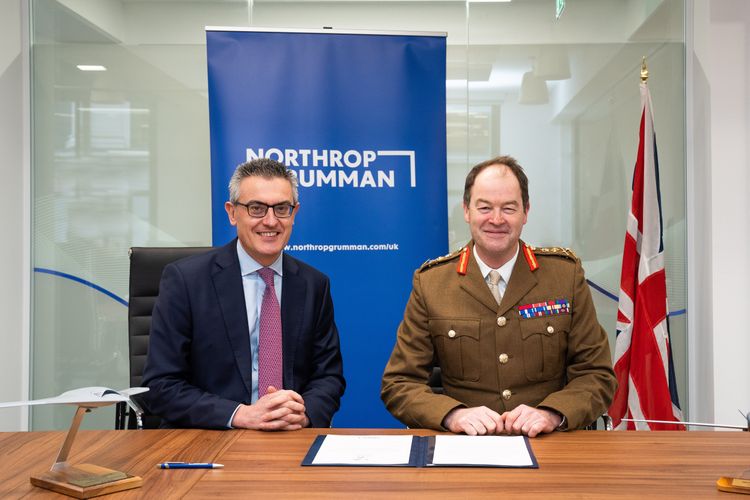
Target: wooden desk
<point>582,464</point>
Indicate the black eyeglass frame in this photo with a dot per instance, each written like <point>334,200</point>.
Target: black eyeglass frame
<point>283,205</point>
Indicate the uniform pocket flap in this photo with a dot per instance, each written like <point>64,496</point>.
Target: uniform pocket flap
<point>544,325</point>
<point>452,328</point>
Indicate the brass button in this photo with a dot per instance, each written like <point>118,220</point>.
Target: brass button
<point>451,333</point>
<point>503,358</point>
<point>506,394</point>
<point>550,329</point>
<point>501,321</point>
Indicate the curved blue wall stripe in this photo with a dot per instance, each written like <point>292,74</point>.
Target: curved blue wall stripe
<point>602,290</point>
<point>616,298</point>
<point>83,282</point>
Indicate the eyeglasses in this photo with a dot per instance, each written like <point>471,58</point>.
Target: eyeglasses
<point>258,210</point>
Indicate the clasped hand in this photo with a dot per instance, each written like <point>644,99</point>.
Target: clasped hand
<point>276,410</point>
<point>481,420</point>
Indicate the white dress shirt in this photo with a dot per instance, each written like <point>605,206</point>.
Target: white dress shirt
<point>254,288</point>
<point>505,270</point>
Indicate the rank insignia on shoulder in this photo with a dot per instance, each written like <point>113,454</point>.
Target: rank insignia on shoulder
<point>428,264</point>
<point>548,308</point>
<point>557,251</point>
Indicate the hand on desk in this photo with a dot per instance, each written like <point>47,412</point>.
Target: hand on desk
<point>481,420</point>
<point>476,421</point>
<point>530,421</point>
<point>277,410</point>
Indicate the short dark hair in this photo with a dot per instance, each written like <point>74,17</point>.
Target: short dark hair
<point>261,167</point>
<point>514,167</point>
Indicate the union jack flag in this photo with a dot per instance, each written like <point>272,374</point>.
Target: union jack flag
<point>643,358</point>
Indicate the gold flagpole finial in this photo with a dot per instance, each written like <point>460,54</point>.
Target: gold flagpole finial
<point>644,70</point>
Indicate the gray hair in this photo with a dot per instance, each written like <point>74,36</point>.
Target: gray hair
<point>261,167</point>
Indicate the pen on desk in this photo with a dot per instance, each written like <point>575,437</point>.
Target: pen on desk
<point>188,465</point>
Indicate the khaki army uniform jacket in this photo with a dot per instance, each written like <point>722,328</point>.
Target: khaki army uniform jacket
<point>494,355</point>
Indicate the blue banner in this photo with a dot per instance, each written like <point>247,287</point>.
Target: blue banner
<point>360,118</point>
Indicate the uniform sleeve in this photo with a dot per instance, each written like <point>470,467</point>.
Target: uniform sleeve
<point>591,382</point>
<point>404,388</point>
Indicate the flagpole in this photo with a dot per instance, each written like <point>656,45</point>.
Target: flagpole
<point>644,70</point>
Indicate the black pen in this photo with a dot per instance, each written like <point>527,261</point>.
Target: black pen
<point>188,465</point>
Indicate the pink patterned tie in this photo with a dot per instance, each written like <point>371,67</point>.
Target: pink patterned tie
<point>269,341</point>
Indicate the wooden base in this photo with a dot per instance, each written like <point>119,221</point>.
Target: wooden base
<point>85,481</point>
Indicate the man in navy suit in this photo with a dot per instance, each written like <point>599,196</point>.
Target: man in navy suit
<point>202,367</point>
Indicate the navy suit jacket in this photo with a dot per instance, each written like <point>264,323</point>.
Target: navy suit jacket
<point>198,367</point>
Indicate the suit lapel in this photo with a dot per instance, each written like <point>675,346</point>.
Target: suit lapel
<point>293,293</point>
<point>474,284</point>
<point>227,278</point>
<point>522,280</point>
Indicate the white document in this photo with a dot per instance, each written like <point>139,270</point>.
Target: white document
<point>508,451</point>
<point>364,450</point>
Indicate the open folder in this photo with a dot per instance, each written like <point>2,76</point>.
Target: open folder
<point>418,451</point>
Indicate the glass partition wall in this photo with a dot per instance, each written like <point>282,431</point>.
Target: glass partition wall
<point>121,147</point>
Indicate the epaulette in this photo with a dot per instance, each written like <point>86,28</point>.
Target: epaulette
<point>556,251</point>
<point>440,260</point>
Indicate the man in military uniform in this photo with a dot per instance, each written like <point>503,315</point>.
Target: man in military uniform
<point>512,327</point>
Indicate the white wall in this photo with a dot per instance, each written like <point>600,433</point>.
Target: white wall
<point>14,260</point>
<point>719,184</point>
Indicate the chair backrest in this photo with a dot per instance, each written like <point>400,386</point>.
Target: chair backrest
<point>146,266</point>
